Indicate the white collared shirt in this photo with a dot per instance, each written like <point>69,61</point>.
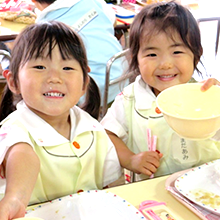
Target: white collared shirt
<point>134,111</point>
<point>91,166</point>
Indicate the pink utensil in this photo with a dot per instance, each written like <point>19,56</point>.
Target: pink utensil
<point>152,143</point>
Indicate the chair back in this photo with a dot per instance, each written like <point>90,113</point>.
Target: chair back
<point>109,82</point>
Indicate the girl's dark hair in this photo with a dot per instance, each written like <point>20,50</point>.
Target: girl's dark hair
<point>165,17</point>
<point>92,100</point>
<point>46,1</point>
<point>32,42</point>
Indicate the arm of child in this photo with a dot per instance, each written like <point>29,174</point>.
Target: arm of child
<point>145,162</point>
<point>22,166</point>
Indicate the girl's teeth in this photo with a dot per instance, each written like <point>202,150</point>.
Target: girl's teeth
<point>167,76</point>
<point>54,94</point>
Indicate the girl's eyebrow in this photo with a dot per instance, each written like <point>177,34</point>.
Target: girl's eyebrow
<point>178,45</point>
<point>156,48</point>
<point>149,48</point>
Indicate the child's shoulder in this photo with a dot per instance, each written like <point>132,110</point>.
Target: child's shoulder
<point>12,124</point>
<point>128,91</point>
<point>11,118</point>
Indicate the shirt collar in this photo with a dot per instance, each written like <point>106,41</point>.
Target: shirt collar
<point>45,135</point>
<point>143,94</point>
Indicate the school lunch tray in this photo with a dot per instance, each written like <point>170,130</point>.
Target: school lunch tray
<point>201,212</point>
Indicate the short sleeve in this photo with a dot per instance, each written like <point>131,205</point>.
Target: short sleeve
<point>115,120</point>
<point>9,136</point>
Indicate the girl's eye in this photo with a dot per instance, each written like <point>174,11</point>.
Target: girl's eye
<point>151,55</point>
<point>39,67</point>
<point>177,52</point>
<point>67,68</point>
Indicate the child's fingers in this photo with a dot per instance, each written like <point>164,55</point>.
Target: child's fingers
<point>151,164</point>
<point>208,83</point>
<point>160,154</point>
<point>148,169</point>
<point>155,154</point>
<point>146,162</point>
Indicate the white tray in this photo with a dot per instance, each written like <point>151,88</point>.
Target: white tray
<point>94,204</point>
<point>205,178</point>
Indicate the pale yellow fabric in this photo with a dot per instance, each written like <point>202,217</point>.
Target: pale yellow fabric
<point>65,169</point>
<point>134,111</point>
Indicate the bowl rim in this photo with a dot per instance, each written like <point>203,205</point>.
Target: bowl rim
<point>181,117</point>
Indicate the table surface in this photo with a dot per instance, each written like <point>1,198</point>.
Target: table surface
<point>153,189</point>
<point>9,29</point>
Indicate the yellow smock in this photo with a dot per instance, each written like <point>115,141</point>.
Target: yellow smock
<point>87,161</point>
<point>133,111</point>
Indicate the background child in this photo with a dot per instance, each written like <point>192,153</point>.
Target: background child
<point>50,147</point>
<point>165,49</point>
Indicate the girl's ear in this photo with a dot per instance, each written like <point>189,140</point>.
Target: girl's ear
<point>85,85</point>
<point>10,81</point>
<point>86,82</point>
<point>89,69</point>
<point>5,73</point>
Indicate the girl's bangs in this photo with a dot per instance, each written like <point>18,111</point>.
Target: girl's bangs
<point>50,37</point>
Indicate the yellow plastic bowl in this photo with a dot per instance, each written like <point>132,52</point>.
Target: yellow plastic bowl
<point>191,113</point>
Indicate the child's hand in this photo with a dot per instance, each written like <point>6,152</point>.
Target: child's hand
<point>146,162</point>
<point>208,83</point>
<point>11,208</point>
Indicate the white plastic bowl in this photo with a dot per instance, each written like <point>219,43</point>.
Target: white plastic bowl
<point>191,113</point>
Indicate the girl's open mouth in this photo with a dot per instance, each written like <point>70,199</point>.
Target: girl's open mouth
<point>54,94</point>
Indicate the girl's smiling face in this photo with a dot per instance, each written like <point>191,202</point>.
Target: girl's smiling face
<point>50,86</point>
<point>165,61</point>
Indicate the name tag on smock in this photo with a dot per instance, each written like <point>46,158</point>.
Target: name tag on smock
<point>83,21</point>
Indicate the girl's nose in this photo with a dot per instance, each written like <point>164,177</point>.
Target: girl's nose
<point>54,76</point>
<point>166,64</point>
